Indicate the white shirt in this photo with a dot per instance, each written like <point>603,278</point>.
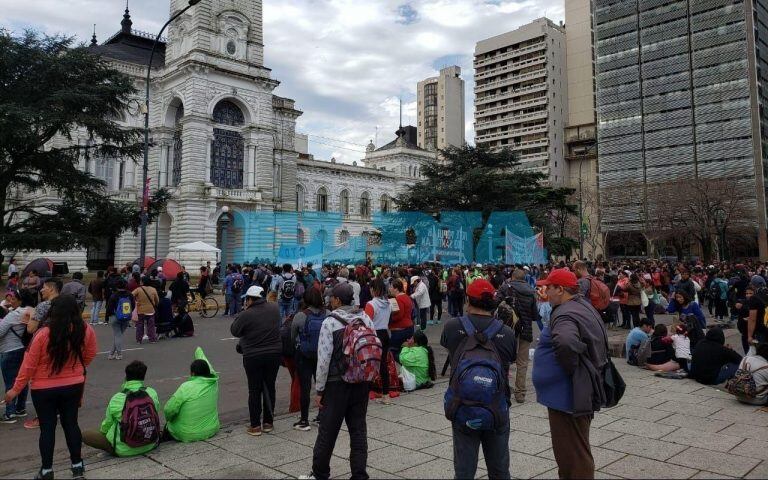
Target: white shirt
<point>12,268</point>
<point>682,346</point>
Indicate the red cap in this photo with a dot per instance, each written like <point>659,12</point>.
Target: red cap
<point>480,286</point>
<point>562,277</point>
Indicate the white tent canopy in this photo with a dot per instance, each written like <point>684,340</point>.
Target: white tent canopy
<point>196,247</point>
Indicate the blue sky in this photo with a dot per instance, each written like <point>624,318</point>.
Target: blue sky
<point>345,62</point>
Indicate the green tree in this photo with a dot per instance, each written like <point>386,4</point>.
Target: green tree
<point>474,178</point>
<point>50,92</point>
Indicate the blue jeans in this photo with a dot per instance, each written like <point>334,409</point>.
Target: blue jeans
<point>466,446</point>
<point>97,304</point>
<point>728,371</point>
<point>234,304</point>
<point>10,363</point>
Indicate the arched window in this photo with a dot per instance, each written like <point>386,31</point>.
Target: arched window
<point>385,205</point>
<point>344,202</point>
<point>300,238</point>
<point>177,147</point>
<point>299,198</point>
<point>365,205</point>
<point>321,204</point>
<point>228,152</point>
<point>343,237</point>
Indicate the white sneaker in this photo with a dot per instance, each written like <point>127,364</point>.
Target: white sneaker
<point>118,357</point>
<point>111,356</point>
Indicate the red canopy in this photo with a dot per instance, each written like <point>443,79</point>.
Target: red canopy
<point>170,267</point>
<point>147,261</point>
<point>43,266</point>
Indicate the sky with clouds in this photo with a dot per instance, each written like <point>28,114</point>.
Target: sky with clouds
<point>345,62</point>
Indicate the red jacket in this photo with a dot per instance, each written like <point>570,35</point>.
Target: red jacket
<point>402,318</point>
<point>36,367</point>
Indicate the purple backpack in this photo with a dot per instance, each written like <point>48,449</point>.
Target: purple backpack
<point>139,424</point>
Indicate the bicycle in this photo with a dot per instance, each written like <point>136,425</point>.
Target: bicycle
<point>208,306</point>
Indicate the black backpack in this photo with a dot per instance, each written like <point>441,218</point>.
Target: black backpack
<point>288,289</point>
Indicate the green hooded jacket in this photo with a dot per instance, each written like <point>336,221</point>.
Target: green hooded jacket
<point>416,360</point>
<point>192,412</point>
<point>110,427</point>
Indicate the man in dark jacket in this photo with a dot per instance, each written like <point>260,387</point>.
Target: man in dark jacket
<point>567,373</point>
<point>713,363</point>
<point>686,284</point>
<point>520,297</point>
<point>258,328</point>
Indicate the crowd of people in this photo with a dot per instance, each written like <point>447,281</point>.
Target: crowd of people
<point>360,332</point>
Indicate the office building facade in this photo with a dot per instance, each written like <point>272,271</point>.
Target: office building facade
<point>521,96</point>
<point>440,108</point>
<point>679,91</point>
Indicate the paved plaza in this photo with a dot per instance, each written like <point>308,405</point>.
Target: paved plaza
<point>662,429</point>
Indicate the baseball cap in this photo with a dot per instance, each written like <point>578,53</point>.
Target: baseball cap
<point>254,291</point>
<point>344,292</point>
<point>562,277</point>
<point>480,286</point>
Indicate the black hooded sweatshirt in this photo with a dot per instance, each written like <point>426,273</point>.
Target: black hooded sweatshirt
<point>710,355</point>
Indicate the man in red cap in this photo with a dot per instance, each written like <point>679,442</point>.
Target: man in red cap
<point>480,322</point>
<point>567,366</point>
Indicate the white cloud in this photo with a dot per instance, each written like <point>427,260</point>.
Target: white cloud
<point>345,62</point>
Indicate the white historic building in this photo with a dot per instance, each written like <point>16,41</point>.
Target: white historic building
<point>225,143</point>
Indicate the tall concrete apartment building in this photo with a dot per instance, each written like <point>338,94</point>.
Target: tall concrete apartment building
<point>521,96</point>
<point>680,94</point>
<point>441,110</point>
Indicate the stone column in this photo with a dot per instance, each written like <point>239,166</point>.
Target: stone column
<point>195,149</point>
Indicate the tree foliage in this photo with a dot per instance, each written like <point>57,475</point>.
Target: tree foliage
<point>50,94</point>
<point>474,178</point>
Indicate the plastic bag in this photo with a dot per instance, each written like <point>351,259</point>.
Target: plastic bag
<point>409,380</point>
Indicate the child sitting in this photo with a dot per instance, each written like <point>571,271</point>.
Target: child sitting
<point>662,351</point>
<point>682,346</point>
<point>416,357</point>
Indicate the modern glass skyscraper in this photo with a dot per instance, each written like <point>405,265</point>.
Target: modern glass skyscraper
<point>680,93</point>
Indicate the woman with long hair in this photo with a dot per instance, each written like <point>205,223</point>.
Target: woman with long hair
<point>55,368</point>
<point>418,358</point>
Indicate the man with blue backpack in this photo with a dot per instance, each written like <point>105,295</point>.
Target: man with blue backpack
<point>477,401</point>
<point>120,306</point>
<point>305,335</point>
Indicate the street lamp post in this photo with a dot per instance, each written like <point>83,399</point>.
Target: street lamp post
<point>490,243</point>
<point>145,169</point>
<point>720,215</point>
<point>224,225</point>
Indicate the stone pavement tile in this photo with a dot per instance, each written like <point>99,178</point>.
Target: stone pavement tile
<point>432,422</point>
<point>246,470</point>
<point>384,427</point>
<point>730,403</point>
<point>416,441</point>
<point>645,447</point>
<point>640,401</point>
<point>711,441</point>
<point>690,409</point>
<point>599,437</point>
<point>714,393</point>
<point>598,475</point>
<point>638,413</point>
<point>636,427</point>
<point>748,431</point>
<point>602,456</point>
<point>649,391</point>
<point>532,409</point>
<point>297,436</point>
<point>141,467</point>
<point>175,450</point>
<point>342,444</point>
<point>760,471</point>
<point>204,462</point>
<point>411,400</point>
<point>444,450</point>
<point>395,412</point>
<point>435,406</point>
<point>373,473</point>
<point>708,475</point>
<point>696,423</point>
<point>522,465</point>
<point>753,417</point>
<point>639,467</point>
<point>243,442</point>
<point>437,468</point>
<point>526,423</point>
<point>717,462</point>
<point>548,475</point>
<point>277,454</point>
<point>752,448</point>
<point>682,386</point>
<point>603,419</point>
<point>529,443</point>
<point>339,468</point>
<point>395,459</point>
<point>448,432</point>
<point>683,397</point>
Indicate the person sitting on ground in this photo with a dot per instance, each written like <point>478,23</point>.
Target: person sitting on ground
<point>757,364</point>
<point>713,362</point>
<point>684,305</point>
<point>417,357</point>
<point>682,346</point>
<point>110,437</point>
<point>192,412</point>
<point>662,351</point>
<point>635,337</point>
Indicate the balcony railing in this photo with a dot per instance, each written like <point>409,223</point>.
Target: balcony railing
<point>510,54</point>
